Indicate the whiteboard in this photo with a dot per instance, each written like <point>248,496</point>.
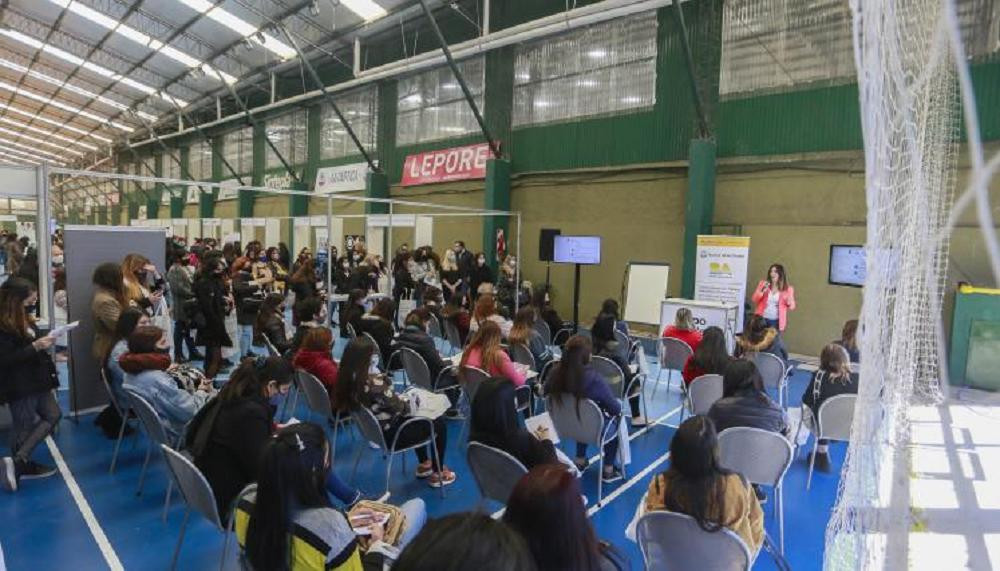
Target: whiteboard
<point>645,290</point>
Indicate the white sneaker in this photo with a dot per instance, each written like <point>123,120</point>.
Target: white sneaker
<point>8,474</point>
<point>638,421</point>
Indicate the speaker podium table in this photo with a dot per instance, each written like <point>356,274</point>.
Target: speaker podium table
<point>705,313</point>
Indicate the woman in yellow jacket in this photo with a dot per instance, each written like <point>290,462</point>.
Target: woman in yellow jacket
<point>696,485</point>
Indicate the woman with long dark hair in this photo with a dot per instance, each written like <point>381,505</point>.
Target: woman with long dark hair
<point>214,303</point>
<point>270,323</point>
<point>494,422</point>
<point>545,508</point>
<point>29,377</point>
<point>697,485</point>
<point>467,541</point>
<point>378,324</point>
<point>574,376</point>
<point>303,281</point>
<point>607,345</point>
<point>357,388</point>
<point>774,297</point>
<point>352,311</point>
<point>849,340</point>
<point>759,337</point>
<point>107,304</point>
<point>710,358</point>
<point>744,401</point>
<point>523,333</point>
<point>289,520</point>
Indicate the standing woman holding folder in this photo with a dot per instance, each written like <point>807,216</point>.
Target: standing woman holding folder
<point>774,297</point>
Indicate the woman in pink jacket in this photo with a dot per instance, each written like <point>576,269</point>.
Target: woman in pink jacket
<point>484,352</point>
<point>774,297</point>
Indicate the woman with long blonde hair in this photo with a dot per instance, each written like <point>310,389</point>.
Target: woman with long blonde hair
<point>484,352</point>
<point>136,271</point>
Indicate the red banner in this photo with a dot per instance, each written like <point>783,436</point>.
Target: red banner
<point>444,165</point>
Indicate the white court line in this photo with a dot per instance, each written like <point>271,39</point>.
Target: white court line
<point>624,487</point>
<point>88,514</point>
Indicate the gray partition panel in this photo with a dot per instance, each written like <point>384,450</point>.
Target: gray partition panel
<point>87,247</point>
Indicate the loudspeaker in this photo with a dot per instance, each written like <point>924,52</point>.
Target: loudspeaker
<point>546,243</point>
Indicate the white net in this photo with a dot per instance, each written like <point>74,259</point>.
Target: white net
<point>911,70</point>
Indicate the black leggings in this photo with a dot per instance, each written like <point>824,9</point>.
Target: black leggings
<point>213,361</point>
<point>418,431</point>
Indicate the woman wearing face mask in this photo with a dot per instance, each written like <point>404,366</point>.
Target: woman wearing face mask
<point>145,367</point>
<point>357,387</point>
<point>143,284</point>
<point>214,303</point>
<point>278,270</point>
<point>29,376</point>
<point>304,254</point>
<point>481,274</point>
<point>106,306</point>
<point>181,288</point>
<point>270,323</point>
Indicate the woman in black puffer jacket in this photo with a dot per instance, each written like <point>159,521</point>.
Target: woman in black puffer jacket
<point>29,376</point>
<point>744,401</point>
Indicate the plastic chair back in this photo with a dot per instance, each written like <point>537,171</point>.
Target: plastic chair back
<point>119,406</point>
<point>473,377</point>
<point>351,333</point>
<point>317,398</point>
<point>434,327</point>
<point>520,353</point>
<point>544,330</point>
<point>760,455</point>
<point>496,471</point>
<point>624,345</point>
<point>836,416</point>
<point>194,487</point>
<point>452,335</point>
<point>151,421</point>
<point>672,541</point>
<point>416,368</point>
<point>585,427</point>
<point>771,369</point>
<point>369,427</point>
<point>674,353</point>
<point>703,392</point>
<point>611,372</point>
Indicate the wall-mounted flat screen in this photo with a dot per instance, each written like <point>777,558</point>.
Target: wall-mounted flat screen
<point>847,265</point>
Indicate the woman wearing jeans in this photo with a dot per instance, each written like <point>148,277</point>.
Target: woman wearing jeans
<point>28,381</point>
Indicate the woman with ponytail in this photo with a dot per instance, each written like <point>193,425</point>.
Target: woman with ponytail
<point>289,522</point>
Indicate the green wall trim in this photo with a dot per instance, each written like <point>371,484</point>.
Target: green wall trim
<point>376,186</point>
<point>177,205</point>
<point>699,207</point>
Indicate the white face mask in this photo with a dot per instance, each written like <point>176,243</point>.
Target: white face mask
<point>373,367</point>
<point>58,260</point>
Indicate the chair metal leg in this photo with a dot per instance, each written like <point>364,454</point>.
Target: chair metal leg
<point>166,501</point>
<point>225,550</point>
<point>812,463</point>
<point>145,464</point>
<point>118,444</point>
<point>780,506</point>
<point>388,469</point>
<point>600,477</point>
<point>437,458</point>
<point>333,443</point>
<point>656,385</point>
<point>180,540</point>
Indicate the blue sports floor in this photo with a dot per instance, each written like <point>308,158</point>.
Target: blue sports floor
<point>84,520</point>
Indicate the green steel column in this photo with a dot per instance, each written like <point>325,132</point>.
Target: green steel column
<point>102,215</point>
<point>116,214</point>
<point>377,186</point>
<point>153,207</point>
<point>298,205</point>
<point>133,210</point>
<point>497,198</point>
<point>177,204</point>
<point>699,206</point>
<point>246,197</point>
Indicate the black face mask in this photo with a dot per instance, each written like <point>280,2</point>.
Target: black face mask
<point>31,309</point>
<point>164,350</point>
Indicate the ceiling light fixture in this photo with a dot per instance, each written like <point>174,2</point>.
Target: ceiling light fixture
<point>62,125</point>
<point>99,70</point>
<point>136,36</point>
<point>368,10</point>
<point>40,141</point>
<point>64,106</point>
<point>70,87</point>
<point>241,27</point>
<point>53,134</point>
<point>28,150</point>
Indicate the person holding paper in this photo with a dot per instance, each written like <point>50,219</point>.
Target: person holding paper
<point>494,423</point>
<point>28,379</point>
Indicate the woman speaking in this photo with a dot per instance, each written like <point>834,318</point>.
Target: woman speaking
<point>774,297</point>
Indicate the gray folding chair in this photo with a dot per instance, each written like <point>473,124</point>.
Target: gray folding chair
<point>673,354</point>
<point>560,337</point>
<point>271,349</point>
<point>419,373</point>
<point>434,328</point>
<point>152,425</point>
<point>471,380</point>
<point>615,377</point>
<point>198,496</point>
<point>123,411</point>
<point>703,392</point>
<point>519,353</point>
<point>544,330</point>
<point>671,541</point>
<point>774,372</point>
<point>496,472</point>
<point>833,422</point>
<point>372,432</point>
<point>586,425</point>
<point>318,402</point>
<point>453,336</point>
<point>351,333</point>
<point>763,458</point>
<point>626,347</point>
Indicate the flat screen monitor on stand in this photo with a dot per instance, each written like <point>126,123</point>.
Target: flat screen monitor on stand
<point>579,251</point>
